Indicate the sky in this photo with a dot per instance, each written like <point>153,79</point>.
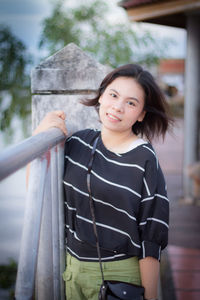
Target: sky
<point>25,17</point>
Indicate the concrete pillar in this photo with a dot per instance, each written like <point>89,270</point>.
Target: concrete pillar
<point>59,83</point>
<point>192,99</point>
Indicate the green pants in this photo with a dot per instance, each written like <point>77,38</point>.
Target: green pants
<point>83,279</point>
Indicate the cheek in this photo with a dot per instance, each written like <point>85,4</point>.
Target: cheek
<point>104,103</point>
<point>100,112</point>
<point>133,116</point>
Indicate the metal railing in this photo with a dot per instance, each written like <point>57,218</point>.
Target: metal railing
<point>41,261</point>
<point>18,156</point>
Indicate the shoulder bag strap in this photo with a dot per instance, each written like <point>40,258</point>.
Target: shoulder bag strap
<point>92,204</point>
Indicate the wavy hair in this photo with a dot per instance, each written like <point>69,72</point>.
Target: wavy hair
<point>157,118</point>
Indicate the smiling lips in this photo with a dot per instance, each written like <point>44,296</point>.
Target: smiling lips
<point>113,117</point>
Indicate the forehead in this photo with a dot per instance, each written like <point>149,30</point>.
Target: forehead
<point>126,85</point>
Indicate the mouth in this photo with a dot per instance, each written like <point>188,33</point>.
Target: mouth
<point>113,117</point>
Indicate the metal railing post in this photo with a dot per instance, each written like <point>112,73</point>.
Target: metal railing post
<point>31,230</point>
<point>10,161</point>
<point>58,83</point>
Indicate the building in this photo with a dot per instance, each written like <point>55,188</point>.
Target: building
<point>181,14</point>
<point>171,72</point>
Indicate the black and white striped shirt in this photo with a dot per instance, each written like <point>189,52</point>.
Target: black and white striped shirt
<point>129,193</point>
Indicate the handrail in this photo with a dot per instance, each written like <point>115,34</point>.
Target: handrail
<point>17,156</point>
<point>43,230</point>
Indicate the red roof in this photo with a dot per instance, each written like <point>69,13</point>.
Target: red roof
<point>134,3</point>
<point>172,66</point>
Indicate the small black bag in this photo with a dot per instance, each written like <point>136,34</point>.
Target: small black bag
<point>111,290</point>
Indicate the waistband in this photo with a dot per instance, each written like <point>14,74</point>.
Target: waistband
<point>118,264</point>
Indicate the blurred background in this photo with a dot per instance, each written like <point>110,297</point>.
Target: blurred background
<point>30,31</point>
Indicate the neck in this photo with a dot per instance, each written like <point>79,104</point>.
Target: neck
<point>117,141</point>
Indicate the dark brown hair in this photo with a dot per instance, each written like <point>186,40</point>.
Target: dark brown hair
<point>157,119</point>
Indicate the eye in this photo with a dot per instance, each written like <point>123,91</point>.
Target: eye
<point>113,95</point>
<point>131,103</point>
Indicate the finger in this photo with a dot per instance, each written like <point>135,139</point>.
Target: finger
<point>60,113</point>
<point>60,124</point>
<point>63,116</point>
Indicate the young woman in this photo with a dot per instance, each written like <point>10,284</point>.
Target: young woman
<point>127,186</point>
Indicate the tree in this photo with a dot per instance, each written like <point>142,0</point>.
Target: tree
<point>8,277</point>
<point>88,26</point>
<point>15,95</point>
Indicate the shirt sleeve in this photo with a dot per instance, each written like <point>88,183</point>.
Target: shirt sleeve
<point>153,212</point>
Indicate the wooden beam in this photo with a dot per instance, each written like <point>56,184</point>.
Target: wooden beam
<point>150,11</point>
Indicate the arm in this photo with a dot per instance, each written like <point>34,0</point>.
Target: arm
<point>149,270</point>
<point>52,119</point>
<point>153,221</point>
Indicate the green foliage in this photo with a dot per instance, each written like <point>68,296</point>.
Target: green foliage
<point>15,96</point>
<point>88,26</point>
<point>8,277</point>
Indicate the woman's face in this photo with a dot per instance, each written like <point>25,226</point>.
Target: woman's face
<point>121,105</point>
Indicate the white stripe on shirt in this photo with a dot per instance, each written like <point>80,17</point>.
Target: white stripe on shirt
<point>73,232</point>
<point>146,186</point>
<point>117,185</point>
<point>155,195</point>
<point>163,197</point>
<point>76,163</point>
<point>100,201</point>
<point>111,228</point>
<point>106,158</point>
<point>101,178</point>
<point>154,219</point>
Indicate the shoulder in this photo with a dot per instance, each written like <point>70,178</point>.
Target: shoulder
<point>82,136</point>
<point>148,151</point>
<point>153,170</point>
<point>151,160</point>
<point>146,154</point>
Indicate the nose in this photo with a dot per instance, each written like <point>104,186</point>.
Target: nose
<point>118,106</point>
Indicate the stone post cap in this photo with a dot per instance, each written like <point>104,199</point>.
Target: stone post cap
<point>69,70</point>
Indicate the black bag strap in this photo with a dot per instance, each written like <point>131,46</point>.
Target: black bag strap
<point>92,204</point>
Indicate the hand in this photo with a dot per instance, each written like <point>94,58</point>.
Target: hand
<point>52,119</point>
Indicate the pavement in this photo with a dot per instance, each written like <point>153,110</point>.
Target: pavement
<point>180,265</point>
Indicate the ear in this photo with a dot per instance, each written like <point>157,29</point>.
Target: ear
<point>99,100</point>
<point>141,116</point>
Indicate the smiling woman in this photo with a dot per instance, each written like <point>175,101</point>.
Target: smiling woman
<point>127,187</point>
<point>121,106</point>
